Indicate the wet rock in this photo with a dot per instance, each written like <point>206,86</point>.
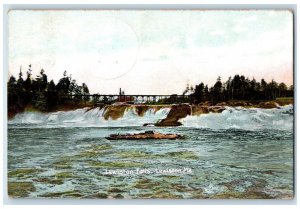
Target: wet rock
<point>168,122</point>
<point>284,101</point>
<point>198,110</point>
<point>141,110</point>
<point>270,104</point>
<point>149,135</point>
<point>114,111</point>
<point>177,112</point>
<point>148,124</point>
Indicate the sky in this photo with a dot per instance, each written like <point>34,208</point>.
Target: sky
<point>152,51</point>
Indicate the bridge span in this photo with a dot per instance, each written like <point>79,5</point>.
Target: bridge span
<point>135,98</point>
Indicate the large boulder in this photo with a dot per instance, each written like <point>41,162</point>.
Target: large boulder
<point>177,112</point>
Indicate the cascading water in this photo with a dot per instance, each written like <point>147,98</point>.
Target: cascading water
<point>244,118</point>
<point>88,118</point>
<point>48,153</point>
<point>232,117</point>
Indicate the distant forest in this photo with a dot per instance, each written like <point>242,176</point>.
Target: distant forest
<point>42,94</point>
<point>239,88</point>
<point>45,95</point>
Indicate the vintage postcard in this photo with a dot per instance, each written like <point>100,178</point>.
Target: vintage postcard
<point>156,104</point>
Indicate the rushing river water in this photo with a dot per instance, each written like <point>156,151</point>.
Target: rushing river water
<point>240,153</point>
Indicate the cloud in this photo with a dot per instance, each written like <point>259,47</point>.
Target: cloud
<point>151,49</point>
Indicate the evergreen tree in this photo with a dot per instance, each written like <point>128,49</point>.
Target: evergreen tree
<point>41,94</point>
<point>217,91</point>
<point>85,92</point>
<point>199,93</point>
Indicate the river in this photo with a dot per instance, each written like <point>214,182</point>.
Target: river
<point>239,153</point>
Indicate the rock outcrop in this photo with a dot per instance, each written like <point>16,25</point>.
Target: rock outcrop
<point>270,104</point>
<point>114,111</point>
<point>198,110</point>
<point>145,135</point>
<point>177,112</point>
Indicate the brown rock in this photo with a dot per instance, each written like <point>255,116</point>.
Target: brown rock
<point>141,109</point>
<point>114,111</point>
<point>142,136</point>
<point>270,104</point>
<point>207,103</point>
<point>222,104</point>
<point>216,109</point>
<point>177,112</point>
<point>198,110</point>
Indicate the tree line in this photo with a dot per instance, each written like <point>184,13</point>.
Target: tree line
<point>239,88</point>
<point>45,95</point>
<point>42,94</point>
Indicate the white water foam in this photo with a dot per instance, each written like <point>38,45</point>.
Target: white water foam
<point>232,117</point>
<point>87,118</point>
<point>244,118</point>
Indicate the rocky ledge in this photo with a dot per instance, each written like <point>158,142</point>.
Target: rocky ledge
<point>144,136</point>
<point>180,111</point>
